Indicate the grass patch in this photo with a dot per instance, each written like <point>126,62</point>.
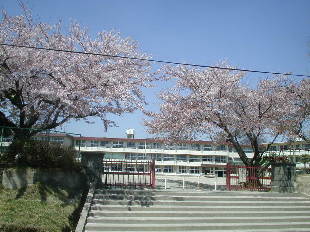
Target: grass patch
<point>42,207</point>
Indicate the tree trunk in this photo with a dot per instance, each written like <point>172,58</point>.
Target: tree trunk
<point>16,148</point>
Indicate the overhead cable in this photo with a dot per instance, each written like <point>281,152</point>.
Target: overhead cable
<point>156,61</point>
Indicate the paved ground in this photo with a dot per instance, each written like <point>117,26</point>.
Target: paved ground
<point>190,182</point>
<point>172,181</point>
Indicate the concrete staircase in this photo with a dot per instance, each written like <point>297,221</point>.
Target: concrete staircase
<point>146,210</point>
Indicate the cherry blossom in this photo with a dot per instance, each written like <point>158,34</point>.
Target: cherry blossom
<point>215,102</point>
<point>43,89</point>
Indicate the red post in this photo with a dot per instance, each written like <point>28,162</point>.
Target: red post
<point>152,166</point>
<point>228,170</point>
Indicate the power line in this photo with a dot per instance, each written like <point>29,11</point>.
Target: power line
<point>156,61</point>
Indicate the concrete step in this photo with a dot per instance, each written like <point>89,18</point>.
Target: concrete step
<point>228,230</point>
<point>149,202</point>
<point>191,220</point>
<point>158,197</point>
<point>195,193</point>
<point>197,211</point>
<point>196,226</point>
<point>212,208</point>
<point>208,214</point>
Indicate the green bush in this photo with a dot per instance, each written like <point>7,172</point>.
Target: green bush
<point>19,228</point>
<point>42,154</point>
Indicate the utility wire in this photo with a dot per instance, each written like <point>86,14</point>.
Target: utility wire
<point>156,61</point>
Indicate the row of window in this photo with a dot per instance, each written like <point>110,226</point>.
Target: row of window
<point>145,168</point>
<point>191,158</point>
<point>179,169</point>
<point>50,139</point>
<point>220,172</point>
<point>131,167</point>
<point>143,145</point>
<point>290,147</point>
<point>195,147</point>
<point>165,157</point>
<point>43,138</point>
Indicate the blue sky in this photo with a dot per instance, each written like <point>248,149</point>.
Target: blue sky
<point>268,35</point>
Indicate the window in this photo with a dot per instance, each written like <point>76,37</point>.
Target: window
<point>83,143</point>
<point>195,147</point>
<point>182,158</point>
<point>273,148</point>
<point>182,169</point>
<point>114,156</point>
<point>156,145</point>
<point>44,138</point>
<point>157,157</point>
<point>131,145</point>
<point>140,156</point>
<point>170,147</point>
<point>94,143</point>
<point>118,144</point>
<point>237,160</point>
<point>194,158</point>
<point>207,148</point>
<point>183,146</point>
<point>141,146</point>
<point>209,171</point>
<point>148,146</point>
<point>9,139</point>
<point>283,147</point>
<point>248,150</point>
<point>208,158</point>
<point>130,156</point>
<point>57,140</point>
<point>220,159</point>
<point>141,168</point>
<point>307,146</point>
<point>221,148</point>
<point>104,144</point>
<point>168,158</point>
<point>116,167</point>
<point>194,170</point>
<point>147,156</point>
<point>168,169</point>
<point>129,168</point>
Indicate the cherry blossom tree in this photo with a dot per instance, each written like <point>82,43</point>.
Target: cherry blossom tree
<point>42,89</point>
<point>298,121</point>
<point>215,102</point>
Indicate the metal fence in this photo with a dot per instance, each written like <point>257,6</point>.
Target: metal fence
<point>248,178</point>
<point>129,173</point>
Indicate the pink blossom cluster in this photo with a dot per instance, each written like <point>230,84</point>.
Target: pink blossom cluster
<point>216,102</point>
<point>44,89</point>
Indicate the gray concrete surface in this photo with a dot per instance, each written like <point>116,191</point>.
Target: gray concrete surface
<point>197,210</point>
<point>302,184</point>
<point>16,178</point>
<point>86,208</point>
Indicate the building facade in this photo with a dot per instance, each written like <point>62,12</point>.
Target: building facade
<point>181,158</point>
